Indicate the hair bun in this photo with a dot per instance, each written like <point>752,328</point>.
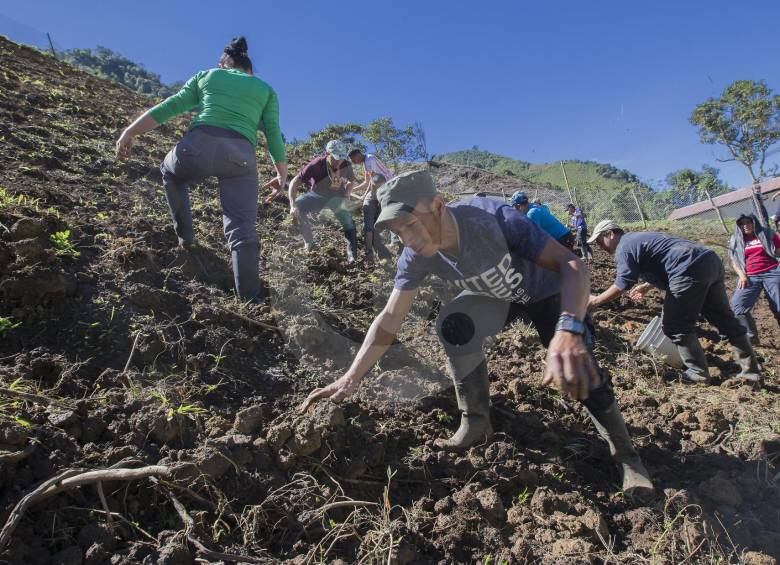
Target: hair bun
<point>237,47</point>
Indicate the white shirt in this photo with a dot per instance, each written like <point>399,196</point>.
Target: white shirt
<point>373,165</point>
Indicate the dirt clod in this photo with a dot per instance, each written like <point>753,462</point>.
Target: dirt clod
<point>721,490</point>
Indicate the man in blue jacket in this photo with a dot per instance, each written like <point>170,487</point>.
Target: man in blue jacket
<point>541,216</point>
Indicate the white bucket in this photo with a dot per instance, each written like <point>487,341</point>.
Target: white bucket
<point>654,342</point>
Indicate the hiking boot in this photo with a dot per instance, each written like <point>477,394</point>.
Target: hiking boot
<point>633,474</point>
<point>694,358</point>
<point>746,358</point>
<point>472,390</point>
<point>369,243</point>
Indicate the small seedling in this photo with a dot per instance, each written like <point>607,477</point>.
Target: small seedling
<point>7,323</point>
<point>443,418</point>
<point>523,496</point>
<point>63,245</point>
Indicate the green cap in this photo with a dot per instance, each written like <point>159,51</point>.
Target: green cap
<point>400,195</point>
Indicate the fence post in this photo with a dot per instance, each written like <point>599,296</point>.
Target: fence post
<point>566,180</point>
<point>717,211</point>
<point>638,207</point>
<point>51,45</point>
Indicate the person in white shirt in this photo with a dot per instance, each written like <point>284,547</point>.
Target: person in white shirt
<point>377,174</point>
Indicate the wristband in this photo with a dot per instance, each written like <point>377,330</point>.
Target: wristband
<point>568,323</point>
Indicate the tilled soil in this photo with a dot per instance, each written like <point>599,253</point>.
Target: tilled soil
<point>118,349</point>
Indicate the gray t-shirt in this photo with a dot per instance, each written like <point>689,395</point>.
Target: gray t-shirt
<point>498,248</point>
<point>653,257</point>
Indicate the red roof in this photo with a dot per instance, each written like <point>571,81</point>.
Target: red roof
<point>767,186</point>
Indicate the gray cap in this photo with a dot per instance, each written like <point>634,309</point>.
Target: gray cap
<point>603,227</point>
<point>400,195</point>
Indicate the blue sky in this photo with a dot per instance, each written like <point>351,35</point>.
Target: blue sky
<point>610,81</point>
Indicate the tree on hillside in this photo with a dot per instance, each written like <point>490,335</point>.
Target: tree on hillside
<point>746,120</point>
<point>687,186</point>
<point>349,133</point>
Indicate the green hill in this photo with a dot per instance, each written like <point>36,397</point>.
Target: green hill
<point>581,174</point>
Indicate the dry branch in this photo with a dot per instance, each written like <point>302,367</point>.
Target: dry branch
<point>249,320</point>
<point>37,398</point>
<point>14,456</point>
<point>70,479</point>
<point>189,528</point>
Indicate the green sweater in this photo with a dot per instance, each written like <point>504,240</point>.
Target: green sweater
<point>230,99</point>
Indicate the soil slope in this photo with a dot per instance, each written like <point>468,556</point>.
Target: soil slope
<point>117,349</point>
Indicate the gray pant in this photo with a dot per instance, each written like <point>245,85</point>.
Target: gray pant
<point>465,322</point>
<point>744,299</point>
<point>208,151</point>
<point>701,290</point>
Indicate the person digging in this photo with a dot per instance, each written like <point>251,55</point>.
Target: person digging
<point>505,267</point>
<point>541,216</point>
<point>330,178</point>
<point>693,278</point>
<point>377,174</point>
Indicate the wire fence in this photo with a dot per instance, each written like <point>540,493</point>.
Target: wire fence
<point>638,208</point>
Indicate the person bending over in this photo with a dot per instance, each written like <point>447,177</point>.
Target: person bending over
<point>693,279</point>
<point>330,178</point>
<point>505,267</point>
<point>541,216</point>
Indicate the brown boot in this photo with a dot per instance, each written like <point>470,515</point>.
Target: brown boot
<point>611,427</point>
<point>472,389</point>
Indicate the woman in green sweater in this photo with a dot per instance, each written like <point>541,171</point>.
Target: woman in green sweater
<point>232,105</point>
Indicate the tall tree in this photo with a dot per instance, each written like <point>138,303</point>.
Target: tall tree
<point>746,120</point>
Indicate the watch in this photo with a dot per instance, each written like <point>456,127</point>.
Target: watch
<point>568,323</point>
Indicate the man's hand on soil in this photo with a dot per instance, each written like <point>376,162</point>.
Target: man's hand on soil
<point>570,367</point>
<point>336,391</point>
<point>592,302</point>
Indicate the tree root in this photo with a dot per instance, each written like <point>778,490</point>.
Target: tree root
<point>189,529</point>
<point>74,478</point>
<point>14,456</point>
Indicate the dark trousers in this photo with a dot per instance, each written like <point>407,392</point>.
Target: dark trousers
<point>208,151</point>
<point>371,211</point>
<point>744,299</point>
<point>700,290</point>
<point>465,322</point>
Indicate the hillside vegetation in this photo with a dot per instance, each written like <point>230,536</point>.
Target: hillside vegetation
<point>129,359</point>
<point>581,174</point>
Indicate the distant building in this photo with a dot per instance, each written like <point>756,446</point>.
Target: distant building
<point>731,204</point>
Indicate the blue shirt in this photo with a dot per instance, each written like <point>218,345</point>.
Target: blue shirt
<point>654,257</point>
<point>541,216</point>
<point>498,248</point>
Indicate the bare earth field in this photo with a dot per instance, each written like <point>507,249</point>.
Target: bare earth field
<point>120,352</point>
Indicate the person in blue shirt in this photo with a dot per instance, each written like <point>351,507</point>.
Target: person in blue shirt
<point>504,267</point>
<point>693,279</point>
<point>541,216</point>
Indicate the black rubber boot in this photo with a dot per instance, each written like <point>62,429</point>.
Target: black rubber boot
<point>610,425</point>
<point>746,358</point>
<point>749,323</point>
<point>472,389</point>
<point>246,271</point>
<point>694,358</point>
<point>352,245</point>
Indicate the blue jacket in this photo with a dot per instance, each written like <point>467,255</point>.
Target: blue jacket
<point>542,217</point>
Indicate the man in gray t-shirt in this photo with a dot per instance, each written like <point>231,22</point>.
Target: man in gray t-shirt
<point>504,267</point>
<point>693,279</point>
